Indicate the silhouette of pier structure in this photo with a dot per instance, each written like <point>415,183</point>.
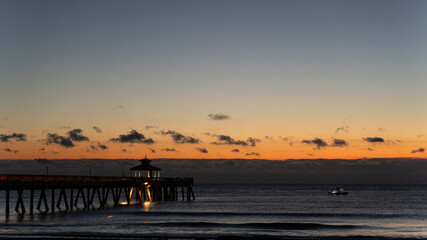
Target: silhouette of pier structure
<point>92,191</point>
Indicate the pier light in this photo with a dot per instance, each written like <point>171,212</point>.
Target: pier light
<point>145,169</point>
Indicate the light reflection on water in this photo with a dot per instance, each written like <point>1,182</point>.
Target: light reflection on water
<point>245,210</point>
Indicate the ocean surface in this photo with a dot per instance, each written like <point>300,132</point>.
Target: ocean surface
<point>241,210</point>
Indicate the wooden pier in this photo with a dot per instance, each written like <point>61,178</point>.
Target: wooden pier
<point>67,191</point>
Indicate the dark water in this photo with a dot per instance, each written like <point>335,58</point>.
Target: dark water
<point>267,210</point>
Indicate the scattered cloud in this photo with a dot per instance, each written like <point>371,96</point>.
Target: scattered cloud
<point>133,137</point>
<point>98,146</point>
<point>316,141</point>
<point>102,146</point>
<point>76,135</point>
<point>339,143</point>
<point>179,138</point>
<point>168,149</point>
<point>227,140</point>
<point>235,150</point>
<point>268,138</point>
<point>419,150</point>
<point>252,141</point>
<point>53,138</point>
<point>10,150</point>
<point>97,129</point>
<point>374,139</point>
<point>219,116</point>
<point>252,154</point>
<point>202,150</point>
<point>17,136</point>
<point>342,129</point>
<point>381,129</point>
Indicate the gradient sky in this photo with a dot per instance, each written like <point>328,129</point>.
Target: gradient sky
<point>284,72</point>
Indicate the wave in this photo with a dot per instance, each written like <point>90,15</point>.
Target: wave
<point>236,214</point>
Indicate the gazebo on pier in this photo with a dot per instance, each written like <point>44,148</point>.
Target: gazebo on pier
<point>145,169</point>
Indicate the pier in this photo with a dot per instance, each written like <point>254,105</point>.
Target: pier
<point>50,193</point>
<point>67,191</point>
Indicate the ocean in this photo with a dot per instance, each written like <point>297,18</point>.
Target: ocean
<point>275,211</point>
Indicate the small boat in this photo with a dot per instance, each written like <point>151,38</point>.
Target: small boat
<point>338,191</point>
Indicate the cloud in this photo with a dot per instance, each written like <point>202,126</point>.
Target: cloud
<point>252,154</point>
<point>382,129</point>
<point>98,146</point>
<point>419,150</point>
<point>102,146</point>
<point>53,138</point>
<point>152,150</point>
<point>317,141</point>
<point>227,140</point>
<point>252,141</point>
<point>124,150</point>
<point>369,149</point>
<point>17,136</point>
<point>340,143</point>
<point>10,150</point>
<point>168,149</point>
<point>42,149</point>
<point>374,139</point>
<point>342,129</point>
<point>421,135</point>
<point>76,135</point>
<point>97,129</point>
<point>179,138</point>
<point>202,150</point>
<point>268,138</point>
<point>218,116</point>
<point>133,137</point>
<point>149,127</point>
<point>235,150</point>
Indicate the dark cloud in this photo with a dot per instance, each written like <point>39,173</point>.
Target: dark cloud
<point>369,149</point>
<point>102,146</point>
<point>10,150</point>
<point>252,141</point>
<point>342,129</point>
<point>93,148</point>
<point>227,140</point>
<point>17,136</point>
<point>53,138</point>
<point>76,135</point>
<point>419,150</point>
<point>168,149</point>
<point>97,129</point>
<point>340,143</point>
<point>152,150</point>
<point>42,149</point>
<point>252,154</point>
<point>202,150</point>
<point>179,138</point>
<point>133,137</point>
<point>374,139</point>
<point>124,150</point>
<point>235,150</point>
<point>316,141</point>
<point>218,116</point>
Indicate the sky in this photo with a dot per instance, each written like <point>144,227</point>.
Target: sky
<point>213,79</point>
